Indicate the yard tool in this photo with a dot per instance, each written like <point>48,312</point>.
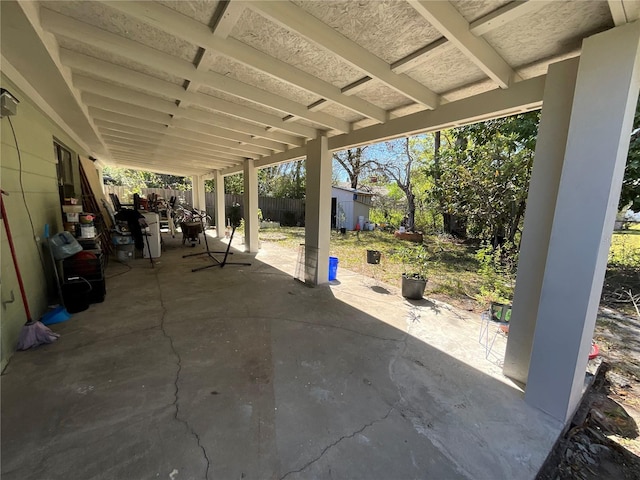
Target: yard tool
<point>33,333</point>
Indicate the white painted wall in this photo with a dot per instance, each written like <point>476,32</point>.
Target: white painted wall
<point>351,208</point>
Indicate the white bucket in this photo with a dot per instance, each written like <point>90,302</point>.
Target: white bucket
<point>87,231</point>
<point>124,253</point>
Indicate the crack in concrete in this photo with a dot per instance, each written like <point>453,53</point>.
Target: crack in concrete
<point>176,392</point>
<point>344,437</point>
<point>338,327</point>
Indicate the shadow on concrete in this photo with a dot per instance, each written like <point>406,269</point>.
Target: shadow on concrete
<point>242,372</point>
<point>381,290</point>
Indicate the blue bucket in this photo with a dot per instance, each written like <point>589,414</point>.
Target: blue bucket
<point>333,268</point>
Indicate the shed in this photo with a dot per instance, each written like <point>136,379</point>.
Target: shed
<point>347,205</point>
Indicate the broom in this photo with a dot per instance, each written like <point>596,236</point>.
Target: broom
<point>32,333</point>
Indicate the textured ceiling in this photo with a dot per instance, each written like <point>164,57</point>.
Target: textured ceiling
<point>219,82</point>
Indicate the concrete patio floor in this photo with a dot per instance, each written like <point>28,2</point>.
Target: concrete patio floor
<point>243,372</point>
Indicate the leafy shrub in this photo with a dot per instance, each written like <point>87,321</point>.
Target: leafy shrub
<point>497,272</point>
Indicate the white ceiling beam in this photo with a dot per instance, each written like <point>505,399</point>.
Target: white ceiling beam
<point>93,100</point>
<point>492,21</point>
<point>227,138</point>
<point>165,143</point>
<point>227,15</point>
<point>306,25</point>
<point>31,11</point>
<point>177,158</point>
<point>419,56</point>
<point>153,150</point>
<point>87,84</point>
<point>112,43</point>
<point>125,133</point>
<point>282,157</point>
<point>123,162</point>
<point>444,16</point>
<point>129,124</point>
<point>237,140</point>
<point>128,120</point>
<point>523,96</point>
<point>242,141</point>
<point>192,31</point>
<point>146,161</point>
<point>122,75</point>
<point>166,167</point>
<point>505,14</point>
<point>171,142</point>
<point>173,136</point>
<point>618,13</point>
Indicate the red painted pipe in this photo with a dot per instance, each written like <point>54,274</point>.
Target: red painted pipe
<point>13,255</point>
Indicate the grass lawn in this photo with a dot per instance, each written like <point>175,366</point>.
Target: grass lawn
<point>623,272</point>
<point>625,247</point>
<point>452,268</point>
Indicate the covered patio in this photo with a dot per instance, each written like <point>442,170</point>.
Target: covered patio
<point>182,375</point>
<point>211,89</point>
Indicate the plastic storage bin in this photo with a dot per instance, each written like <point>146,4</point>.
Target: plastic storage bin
<point>333,268</point>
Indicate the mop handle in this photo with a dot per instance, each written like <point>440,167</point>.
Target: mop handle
<point>13,254</point>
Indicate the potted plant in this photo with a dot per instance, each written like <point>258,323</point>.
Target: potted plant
<point>414,279</point>
<point>235,215</point>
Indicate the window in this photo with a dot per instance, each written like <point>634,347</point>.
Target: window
<point>65,170</point>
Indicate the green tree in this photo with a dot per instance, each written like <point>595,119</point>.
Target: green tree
<point>400,160</point>
<point>354,163</point>
<point>630,195</point>
<point>290,180</point>
<point>484,172</point>
<point>234,184</point>
<point>133,180</point>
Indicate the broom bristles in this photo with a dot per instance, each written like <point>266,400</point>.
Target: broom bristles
<point>34,334</point>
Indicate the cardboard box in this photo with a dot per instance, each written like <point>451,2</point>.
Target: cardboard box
<point>72,208</point>
<point>72,217</point>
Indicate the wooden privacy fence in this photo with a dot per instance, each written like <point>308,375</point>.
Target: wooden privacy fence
<point>287,211</point>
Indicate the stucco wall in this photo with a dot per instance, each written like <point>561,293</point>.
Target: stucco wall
<point>35,133</point>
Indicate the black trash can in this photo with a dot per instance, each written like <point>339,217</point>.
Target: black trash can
<point>76,294</point>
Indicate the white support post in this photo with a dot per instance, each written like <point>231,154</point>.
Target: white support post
<point>220,205</point>
<point>597,144</point>
<point>318,212</point>
<point>541,205</point>
<point>250,206</point>
<point>199,201</point>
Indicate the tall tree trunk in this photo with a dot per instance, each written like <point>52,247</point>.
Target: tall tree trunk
<point>298,186</point>
<point>411,205</point>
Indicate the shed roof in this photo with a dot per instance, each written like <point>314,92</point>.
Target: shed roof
<point>352,190</point>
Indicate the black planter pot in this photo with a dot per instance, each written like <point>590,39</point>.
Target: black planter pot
<point>413,286</point>
<point>373,257</point>
<point>343,230</point>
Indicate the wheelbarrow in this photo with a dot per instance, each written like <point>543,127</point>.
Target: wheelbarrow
<point>191,231</point>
